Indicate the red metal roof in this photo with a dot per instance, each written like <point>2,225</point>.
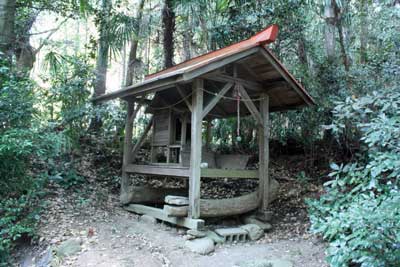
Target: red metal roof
<point>262,38</point>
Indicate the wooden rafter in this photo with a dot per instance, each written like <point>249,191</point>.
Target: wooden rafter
<point>252,85</point>
<point>216,98</point>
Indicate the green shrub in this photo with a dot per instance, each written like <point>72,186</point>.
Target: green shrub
<point>360,213</point>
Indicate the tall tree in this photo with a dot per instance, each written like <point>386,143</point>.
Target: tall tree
<point>132,60</point>
<point>103,48</point>
<point>363,31</point>
<point>168,19</point>
<point>7,20</point>
<point>329,14</point>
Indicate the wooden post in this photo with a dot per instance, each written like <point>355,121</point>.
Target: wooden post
<point>127,146</point>
<point>195,149</point>
<point>264,152</point>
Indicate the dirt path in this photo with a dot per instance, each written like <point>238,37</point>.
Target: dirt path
<point>118,238</point>
<point>127,242</point>
<point>110,236</point>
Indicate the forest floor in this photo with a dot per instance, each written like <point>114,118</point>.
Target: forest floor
<point>109,236</point>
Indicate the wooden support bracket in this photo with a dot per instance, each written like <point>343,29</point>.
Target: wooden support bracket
<point>184,96</point>
<point>250,105</point>
<point>215,100</point>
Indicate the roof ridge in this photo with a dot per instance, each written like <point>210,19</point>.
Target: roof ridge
<point>263,37</point>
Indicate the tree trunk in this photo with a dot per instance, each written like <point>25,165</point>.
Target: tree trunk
<point>363,31</point>
<point>102,54</point>
<point>102,61</point>
<point>339,26</point>
<point>24,52</point>
<point>168,19</point>
<point>301,50</point>
<point>329,14</point>
<point>187,39</point>
<point>7,19</point>
<point>133,48</point>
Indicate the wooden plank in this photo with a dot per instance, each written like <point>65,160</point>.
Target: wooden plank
<point>142,88</point>
<point>176,211</point>
<point>141,140</point>
<point>221,173</point>
<point>250,105</point>
<point>184,96</point>
<point>190,223</point>
<point>264,182</point>
<point>127,147</point>
<point>145,194</point>
<point>195,150</point>
<point>256,86</point>
<point>215,100</point>
<point>157,170</point>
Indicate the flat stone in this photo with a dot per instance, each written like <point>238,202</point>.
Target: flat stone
<point>266,263</point>
<point>216,238</point>
<point>230,231</point>
<point>196,233</point>
<point>148,219</point>
<point>68,248</point>
<point>254,231</point>
<point>46,259</point>
<point>256,263</point>
<point>177,200</point>
<point>281,263</point>
<point>201,246</point>
<point>252,220</point>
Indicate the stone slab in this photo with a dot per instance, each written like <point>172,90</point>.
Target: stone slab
<point>201,246</point>
<point>177,200</point>
<point>254,231</point>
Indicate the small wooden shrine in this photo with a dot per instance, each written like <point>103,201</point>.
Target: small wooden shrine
<point>188,94</point>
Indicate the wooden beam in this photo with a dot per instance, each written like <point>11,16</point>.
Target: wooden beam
<point>127,146</point>
<point>176,171</point>
<point>286,76</point>
<point>217,63</point>
<point>264,182</point>
<point>196,145</point>
<point>197,224</point>
<point>141,140</point>
<point>184,96</point>
<point>252,85</point>
<point>222,173</point>
<point>147,195</point>
<point>216,98</point>
<point>250,105</point>
<point>142,88</point>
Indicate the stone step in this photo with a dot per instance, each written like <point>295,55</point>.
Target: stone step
<point>231,235</point>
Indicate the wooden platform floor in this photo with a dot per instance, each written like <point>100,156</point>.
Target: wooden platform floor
<point>180,171</point>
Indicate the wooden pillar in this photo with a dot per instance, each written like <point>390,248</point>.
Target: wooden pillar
<point>264,152</point>
<point>195,149</point>
<point>127,146</point>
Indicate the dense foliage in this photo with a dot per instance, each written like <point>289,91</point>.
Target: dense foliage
<point>360,213</point>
